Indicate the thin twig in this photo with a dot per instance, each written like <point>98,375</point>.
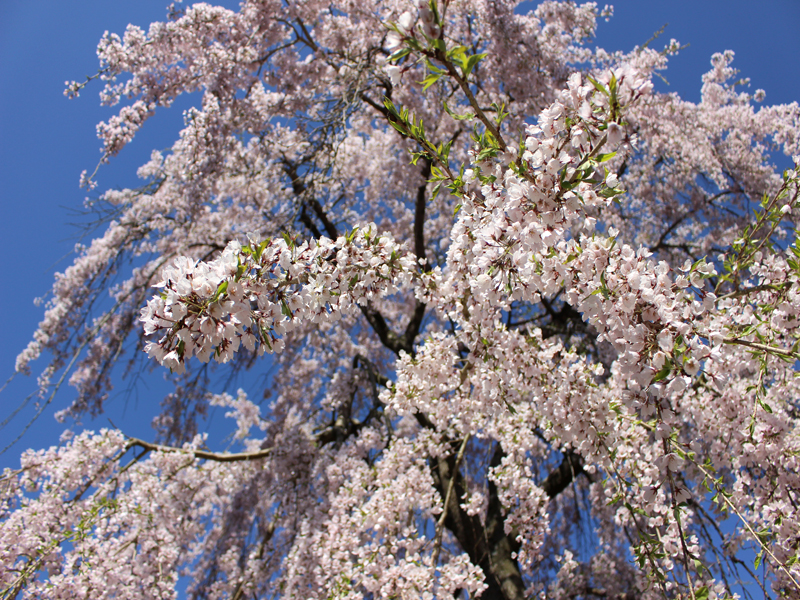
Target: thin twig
<point>462,83</point>
<point>764,347</point>
<point>751,290</point>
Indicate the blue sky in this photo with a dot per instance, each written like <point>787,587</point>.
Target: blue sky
<point>47,140</point>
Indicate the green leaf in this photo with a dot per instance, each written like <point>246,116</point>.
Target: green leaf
<point>390,106</point>
<point>415,156</point>
<point>568,185</point>
<point>399,127</point>
<point>435,11</point>
<point>604,157</point>
<point>604,285</point>
<point>413,44</point>
<point>663,373</point>
<point>403,52</point>
<point>456,116</point>
<point>486,153</point>
<point>698,263</point>
<point>598,86</point>
<point>472,61</point>
<point>457,54</point>
<point>259,250</point>
<point>445,150</point>
<point>265,339</point>
<point>221,288</point>
<point>501,114</point>
<point>430,80</point>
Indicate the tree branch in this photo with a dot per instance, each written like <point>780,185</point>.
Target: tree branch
<point>200,454</point>
<point>559,479</point>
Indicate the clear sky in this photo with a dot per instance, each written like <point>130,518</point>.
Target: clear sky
<point>46,140</point>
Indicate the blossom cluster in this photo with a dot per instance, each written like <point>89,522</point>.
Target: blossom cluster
<point>254,294</point>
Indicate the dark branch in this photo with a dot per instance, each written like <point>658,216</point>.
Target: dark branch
<point>387,337</point>
<point>301,190</point>
<point>502,546</point>
<point>489,547</point>
<point>414,325</point>
<point>306,220</point>
<point>557,481</point>
<point>330,228</point>
<point>419,213</point>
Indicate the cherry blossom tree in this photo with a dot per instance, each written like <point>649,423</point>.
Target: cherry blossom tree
<point>532,327</point>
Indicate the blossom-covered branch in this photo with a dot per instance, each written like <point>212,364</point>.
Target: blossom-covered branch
<point>252,295</point>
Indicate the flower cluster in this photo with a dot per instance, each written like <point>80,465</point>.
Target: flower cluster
<point>254,294</point>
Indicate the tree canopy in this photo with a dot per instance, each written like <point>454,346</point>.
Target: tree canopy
<point>532,327</point>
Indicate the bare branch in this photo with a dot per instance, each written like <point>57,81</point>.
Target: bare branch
<point>201,454</point>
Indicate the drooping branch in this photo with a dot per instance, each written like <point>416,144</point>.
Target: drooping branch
<point>344,426</point>
<point>379,325</point>
<point>375,377</point>
<point>306,220</point>
<point>787,354</point>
